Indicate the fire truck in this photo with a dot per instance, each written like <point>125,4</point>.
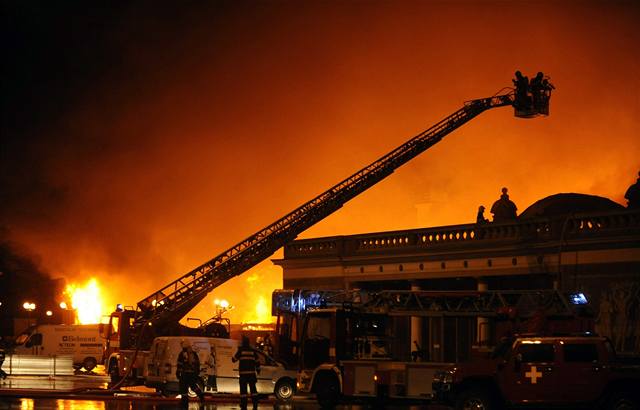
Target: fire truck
<point>351,345</point>
<point>130,331</point>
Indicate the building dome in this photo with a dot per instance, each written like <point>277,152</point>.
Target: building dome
<point>562,204</point>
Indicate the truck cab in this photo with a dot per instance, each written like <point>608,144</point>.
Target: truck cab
<point>542,371</point>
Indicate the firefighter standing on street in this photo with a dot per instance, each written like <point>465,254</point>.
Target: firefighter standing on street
<point>249,368</point>
<point>188,372</point>
<point>3,374</point>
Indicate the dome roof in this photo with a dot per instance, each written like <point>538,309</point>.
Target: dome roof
<point>562,204</point>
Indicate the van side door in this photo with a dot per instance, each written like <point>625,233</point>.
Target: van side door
<point>267,376</point>
<point>35,344</point>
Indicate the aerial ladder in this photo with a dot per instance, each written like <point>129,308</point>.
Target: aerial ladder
<point>158,314</point>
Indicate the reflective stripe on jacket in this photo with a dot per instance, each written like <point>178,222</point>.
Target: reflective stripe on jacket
<point>248,359</point>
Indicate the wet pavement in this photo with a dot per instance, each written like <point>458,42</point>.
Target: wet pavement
<point>54,382</point>
<point>90,392</point>
<point>67,404</point>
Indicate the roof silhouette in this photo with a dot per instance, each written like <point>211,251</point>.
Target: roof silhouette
<point>568,203</point>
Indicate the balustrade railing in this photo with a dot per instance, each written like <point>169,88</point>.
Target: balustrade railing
<point>571,227</point>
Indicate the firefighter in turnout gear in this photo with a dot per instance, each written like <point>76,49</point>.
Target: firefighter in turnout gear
<point>249,368</point>
<point>188,372</point>
<point>3,374</point>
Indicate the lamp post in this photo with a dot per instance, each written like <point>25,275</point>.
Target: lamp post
<point>29,307</point>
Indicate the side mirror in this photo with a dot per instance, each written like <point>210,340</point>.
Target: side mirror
<point>517,362</point>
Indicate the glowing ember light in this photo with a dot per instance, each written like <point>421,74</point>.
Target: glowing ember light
<point>258,327</point>
<point>86,301</point>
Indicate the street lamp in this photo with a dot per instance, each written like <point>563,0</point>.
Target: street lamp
<point>29,307</point>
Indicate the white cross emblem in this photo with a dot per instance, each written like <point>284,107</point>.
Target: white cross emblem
<point>534,374</point>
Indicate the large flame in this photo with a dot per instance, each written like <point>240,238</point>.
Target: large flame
<point>247,297</point>
<point>261,312</point>
<point>86,300</point>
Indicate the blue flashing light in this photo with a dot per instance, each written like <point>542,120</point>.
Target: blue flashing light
<point>579,299</point>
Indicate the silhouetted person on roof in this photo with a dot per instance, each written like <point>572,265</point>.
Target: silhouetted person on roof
<point>480,219</point>
<point>633,195</point>
<point>504,209</point>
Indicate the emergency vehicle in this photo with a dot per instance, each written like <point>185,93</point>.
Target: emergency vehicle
<point>82,342</point>
<point>542,371</point>
<point>350,344</point>
<point>218,374</point>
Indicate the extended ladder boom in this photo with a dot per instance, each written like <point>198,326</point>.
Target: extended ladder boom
<point>431,303</point>
<point>175,300</point>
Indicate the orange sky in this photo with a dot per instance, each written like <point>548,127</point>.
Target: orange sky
<point>212,125</point>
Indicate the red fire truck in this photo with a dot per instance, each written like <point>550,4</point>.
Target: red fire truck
<point>351,344</point>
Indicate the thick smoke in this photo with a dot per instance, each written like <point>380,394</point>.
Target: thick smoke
<point>139,143</point>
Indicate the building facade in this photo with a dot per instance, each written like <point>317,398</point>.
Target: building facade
<point>569,242</point>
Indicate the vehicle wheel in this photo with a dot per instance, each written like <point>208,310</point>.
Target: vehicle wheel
<point>284,390</point>
<point>474,400</point>
<point>328,393</point>
<point>89,363</point>
<point>623,401</point>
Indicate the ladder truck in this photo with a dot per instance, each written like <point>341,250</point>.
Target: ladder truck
<point>350,344</point>
<point>131,331</point>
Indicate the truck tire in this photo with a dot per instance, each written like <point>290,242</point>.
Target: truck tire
<point>89,363</point>
<point>327,392</point>
<point>285,388</point>
<point>623,401</point>
<point>474,399</point>
<point>114,372</point>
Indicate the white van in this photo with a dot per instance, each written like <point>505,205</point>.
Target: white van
<point>218,374</point>
<point>82,342</point>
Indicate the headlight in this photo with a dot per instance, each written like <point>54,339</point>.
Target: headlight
<point>304,379</point>
<point>443,376</point>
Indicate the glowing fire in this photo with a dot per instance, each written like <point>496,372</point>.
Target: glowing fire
<point>86,300</point>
